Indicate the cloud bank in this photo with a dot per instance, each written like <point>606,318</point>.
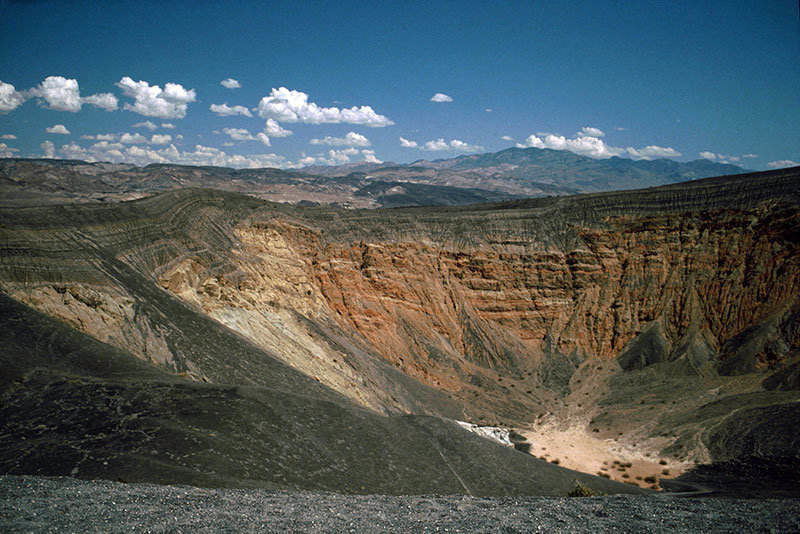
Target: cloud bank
<point>152,101</point>
<point>351,139</point>
<point>224,110</point>
<point>594,147</point>
<point>287,105</point>
<point>63,94</point>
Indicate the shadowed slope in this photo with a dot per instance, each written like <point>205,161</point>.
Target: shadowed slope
<point>74,406</point>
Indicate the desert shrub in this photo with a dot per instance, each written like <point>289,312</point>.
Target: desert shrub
<point>650,480</point>
<point>665,472</point>
<point>583,491</point>
<point>604,475</point>
<point>662,462</point>
<point>555,461</point>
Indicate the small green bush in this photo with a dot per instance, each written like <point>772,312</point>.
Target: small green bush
<point>583,491</point>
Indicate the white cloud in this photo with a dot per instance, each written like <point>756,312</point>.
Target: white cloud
<point>779,164</point>
<point>6,151</point>
<point>63,94</point>
<point>582,144</point>
<point>273,129</point>
<point>10,98</point>
<point>594,147</point>
<point>230,83</point>
<point>150,125</point>
<point>351,139</point>
<point>8,136</point>
<point>60,93</point>
<point>57,129</point>
<point>106,101</point>
<point>132,139</point>
<point>749,156</point>
<point>160,139</point>
<point>441,97</point>
<point>152,101</point>
<point>337,157</point>
<point>48,148</point>
<point>286,105</point>
<point>224,110</point>
<point>200,155</point>
<point>75,151</point>
<point>407,144</point>
<point>239,134</point>
<point>100,137</point>
<point>722,158</point>
<point>532,141</point>
<point>653,151</point>
<point>588,131</point>
<point>369,156</point>
<point>507,138</point>
<point>167,125</point>
<point>439,144</point>
<point>264,138</point>
<point>488,110</point>
<point>455,144</point>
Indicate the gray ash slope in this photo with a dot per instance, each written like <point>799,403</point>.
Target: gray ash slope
<point>39,504</point>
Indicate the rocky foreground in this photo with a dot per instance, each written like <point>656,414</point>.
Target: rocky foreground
<point>66,504</point>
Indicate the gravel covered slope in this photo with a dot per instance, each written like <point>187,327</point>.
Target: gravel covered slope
<point>65,504</point>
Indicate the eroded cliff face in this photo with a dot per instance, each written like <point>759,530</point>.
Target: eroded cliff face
<point>676,287</point>
<point>711,276</point>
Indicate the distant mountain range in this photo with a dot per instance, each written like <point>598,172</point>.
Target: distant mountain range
<point>537,172</point>
<point>508,174</point>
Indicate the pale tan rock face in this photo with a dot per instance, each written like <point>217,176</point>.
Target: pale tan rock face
<point>105,313</point>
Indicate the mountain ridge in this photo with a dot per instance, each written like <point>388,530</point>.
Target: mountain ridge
<point>509,174</point>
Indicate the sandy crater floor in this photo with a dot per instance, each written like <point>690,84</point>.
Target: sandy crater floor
<point>574,448</point>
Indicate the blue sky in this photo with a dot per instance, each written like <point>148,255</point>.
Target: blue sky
<point>336,82</point>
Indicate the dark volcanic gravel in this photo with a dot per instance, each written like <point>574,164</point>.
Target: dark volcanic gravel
<point>66,504</point>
